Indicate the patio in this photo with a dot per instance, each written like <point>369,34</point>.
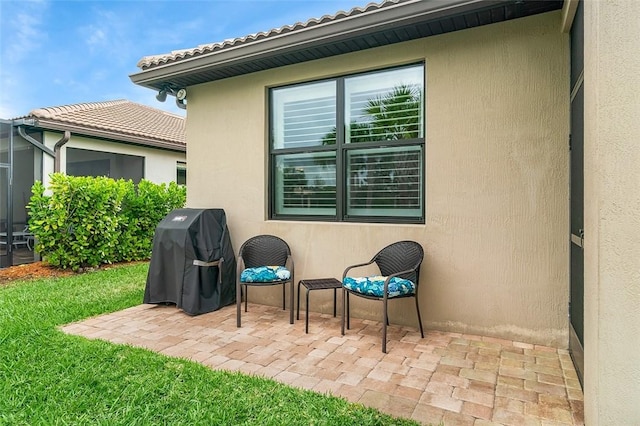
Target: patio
<point>446,377</point>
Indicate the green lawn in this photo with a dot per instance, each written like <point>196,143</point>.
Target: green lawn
<point>49,378</point>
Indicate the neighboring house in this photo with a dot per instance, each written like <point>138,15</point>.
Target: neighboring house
<point>119,139</point>
<point>447,122</point>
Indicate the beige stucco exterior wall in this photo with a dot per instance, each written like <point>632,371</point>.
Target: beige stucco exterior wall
<point>612,213</point>
<point>159,164</point>
<point>496,231</point>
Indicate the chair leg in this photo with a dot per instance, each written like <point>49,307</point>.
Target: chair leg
<point>385,320</point>
<point>348,313</point>
<point>298,311</point>
<point>335,298</point>
<point>246,296</point>
<point>342,310</point>
<point>306,318</point>
<point>419,319</point>
<point>284,306</point>
<point>290,301</point>
<point>238,303</point>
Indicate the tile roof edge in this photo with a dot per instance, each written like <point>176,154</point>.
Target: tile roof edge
<point>106,133</point>
<point>55,111</point>
<point>151,61</point>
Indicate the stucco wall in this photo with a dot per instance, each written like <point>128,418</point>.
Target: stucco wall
<point>496,231</point>
<point>159,165</point>
<point>612,213</point>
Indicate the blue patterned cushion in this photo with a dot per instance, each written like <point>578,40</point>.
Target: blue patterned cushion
<point>265,274</point>
<point>374,286</point>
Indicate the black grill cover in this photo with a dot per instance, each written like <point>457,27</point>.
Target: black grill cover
<point>192,263</point>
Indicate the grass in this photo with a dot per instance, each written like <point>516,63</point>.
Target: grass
<point>50,378</point>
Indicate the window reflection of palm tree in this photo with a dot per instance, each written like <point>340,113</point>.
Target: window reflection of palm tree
<point>394,115</point>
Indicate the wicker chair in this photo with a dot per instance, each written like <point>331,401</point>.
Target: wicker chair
<point>399,264</point>
<point>264,260</point>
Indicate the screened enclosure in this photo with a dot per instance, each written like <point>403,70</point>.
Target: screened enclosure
<point>20,166</point>
<point>85,162</point>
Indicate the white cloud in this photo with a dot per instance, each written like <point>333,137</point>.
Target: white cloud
<point>108,34</point>
<point>20,37</point>
<point>97,37</point>
<point>101,33</point>
<point>25,33</point>
<point>6,112</point>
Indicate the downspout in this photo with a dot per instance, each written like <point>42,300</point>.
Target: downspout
<point>56,150</point>
<point>34,142</point>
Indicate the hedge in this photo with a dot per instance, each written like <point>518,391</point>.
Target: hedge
<point>82,222</point>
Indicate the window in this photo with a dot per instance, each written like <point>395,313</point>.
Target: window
<point>349,149</point>
<point>181,173</point>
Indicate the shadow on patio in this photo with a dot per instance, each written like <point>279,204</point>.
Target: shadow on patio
<point>450,377</point>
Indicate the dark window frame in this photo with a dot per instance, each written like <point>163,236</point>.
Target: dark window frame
<point>181,173</point>
<point>342,149</point>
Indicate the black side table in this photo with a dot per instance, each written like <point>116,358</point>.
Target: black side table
<point>317,284</point>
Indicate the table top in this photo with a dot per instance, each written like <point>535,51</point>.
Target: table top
<point>17,234</point>
<point>321,283</point>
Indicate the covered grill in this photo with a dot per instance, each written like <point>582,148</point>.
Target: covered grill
<point>192,263</point>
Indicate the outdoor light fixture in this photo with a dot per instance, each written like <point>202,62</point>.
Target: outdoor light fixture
<point>162,95</point>
<point>181,96</point>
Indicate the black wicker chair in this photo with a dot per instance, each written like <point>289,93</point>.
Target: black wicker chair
<point>402,260</point>
<point>259,252</point>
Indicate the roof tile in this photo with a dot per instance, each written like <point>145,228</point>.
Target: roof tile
<point>203,49</point>
<point>120,117</point>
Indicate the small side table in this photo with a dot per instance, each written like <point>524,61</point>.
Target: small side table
<point>317,284</point>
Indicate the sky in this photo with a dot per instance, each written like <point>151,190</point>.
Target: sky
<point>61,52</point>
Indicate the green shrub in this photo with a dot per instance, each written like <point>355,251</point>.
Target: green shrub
<point>83,222</point>
<point>142,209</point>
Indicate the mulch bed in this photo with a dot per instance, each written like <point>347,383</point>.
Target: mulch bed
<point>31,270</point>
<point>37,270</point>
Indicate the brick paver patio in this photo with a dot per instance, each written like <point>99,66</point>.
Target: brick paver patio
<point>446,377</point>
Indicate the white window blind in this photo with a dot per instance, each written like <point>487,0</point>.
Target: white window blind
<point>306,183</point>
<point>385,181</point>
<point>304,115</point>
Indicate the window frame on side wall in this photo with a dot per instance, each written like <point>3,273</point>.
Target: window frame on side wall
<point>371,168</point>
<point>181,173</point>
